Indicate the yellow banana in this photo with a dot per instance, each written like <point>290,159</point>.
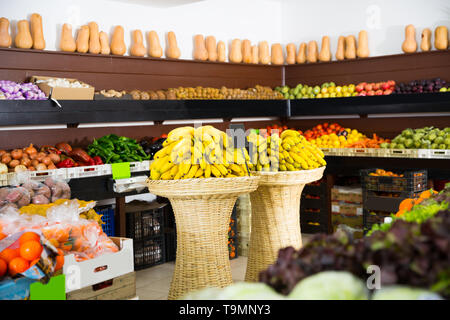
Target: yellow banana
<point>166,176</point>
<point>192,171</point>
<point>289,132</point>
<point>215,172</point>
<point>290,167</point>
<point>208,171</point>
<point>154,175</point>
<point>199,173</point>
<point>174,170</point>
<point>222,169</point>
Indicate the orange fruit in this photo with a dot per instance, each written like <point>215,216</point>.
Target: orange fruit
<point>30,250</point>
<point>62,235</point>
<point>27,236</point>
<point>3,267</point>
<point>66,246</point>
<point>54,242</point>
<point>18,265</point>
<point>59,262</point>
<point>406,205</point>
<point>2,235</point>
<point>8,254</point>
<point>32,263</point>
<point>426,194</point>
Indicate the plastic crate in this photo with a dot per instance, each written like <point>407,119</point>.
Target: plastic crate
<point>140,166</point>
<point>371,217</point>
<point>107,213</point>
<point>171,246</point>
<point>143,220</point>
<point>89,171</point>
<point>412,181</point>
<point>375,200</point>
<point>148,253</point>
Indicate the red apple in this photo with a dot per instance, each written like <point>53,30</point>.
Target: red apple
<point>391,83</point>
<point>387,92</point>
<point>377,86</point>
<point>379,92</point>
<point>370,93</point>
<point>368,87</point>
<point>362,94</point>
<point>385,86</point>
<point>359,87</point>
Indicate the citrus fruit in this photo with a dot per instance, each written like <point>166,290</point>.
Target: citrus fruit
<point>27,236</point>
<point>8,254</point>
<point>30,250</point>
<point>2,235</point>
<point>3,267</point>
<point>18,265</point>
<point>59,262</point>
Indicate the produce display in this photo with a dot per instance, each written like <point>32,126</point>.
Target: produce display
<point>198,153</point>
<point>114,149</point>
<point>422,86</point>
<point>11,90</point>
<point>151,146</point>
<point>384,173</point>
<point>423,138</point>
<point>408,254</point>
<point>289,151</point>
<point>62,83</point>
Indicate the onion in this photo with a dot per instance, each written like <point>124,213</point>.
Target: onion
<point>16,154</point>
<point>31,168</point>
<point>40,156</point>
<point>14,163</point>
<point>34,163</point>
<point>54,157</point>
<point>26,162</point>
<point>25,155</point>
<point>41,167</point>
<point>3,168</point>
<point>30,149</point>
<point>20,168</point>
<point>6,158</point>
<point>33,156</point>
<point>51,167</point>
<point>47,161</point>
<point>2,152</point>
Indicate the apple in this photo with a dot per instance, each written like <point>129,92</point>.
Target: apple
<point>362,94</point>
<point>370,93</point>
<point>387,92</point>
<point>368,87</point>
<point>376,87</point>
<point>391,83</point>
<point>351,88</point>
<point>385,86</point>
<point>359,87</point>
<point>379,92</point>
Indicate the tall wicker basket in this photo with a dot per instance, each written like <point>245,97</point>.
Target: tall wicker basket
<point>202,209</point>
<point>276,216</point>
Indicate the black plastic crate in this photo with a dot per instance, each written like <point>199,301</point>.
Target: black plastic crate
<point>144,220</point>
<point>171,246</point>
<point>232,242</point>
<point>381,201</point>
<point>412,181</point>
<point>371,217</point>
<point>148,253</point>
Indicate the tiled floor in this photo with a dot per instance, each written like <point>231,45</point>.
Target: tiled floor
<point>153,283</point>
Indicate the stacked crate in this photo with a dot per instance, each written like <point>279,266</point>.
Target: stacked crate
<point>347,209</point>
<point>382,195</point>
<point>314,208</point>
<point>145,225</point>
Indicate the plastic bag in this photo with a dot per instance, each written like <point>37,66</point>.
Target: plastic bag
<point>14,197</point>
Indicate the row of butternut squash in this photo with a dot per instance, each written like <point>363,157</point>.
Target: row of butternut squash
<point>29,34</point>
<point>440,39</point>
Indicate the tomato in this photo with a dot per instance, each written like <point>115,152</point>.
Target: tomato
<point>325,125</point>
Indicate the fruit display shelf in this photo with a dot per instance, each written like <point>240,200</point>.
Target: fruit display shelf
<point>388,153</point>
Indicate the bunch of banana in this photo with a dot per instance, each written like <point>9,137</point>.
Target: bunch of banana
<point>288,152</point>
<point>202,152</point>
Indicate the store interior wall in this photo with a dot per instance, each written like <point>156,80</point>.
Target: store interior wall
<point>384,20</point>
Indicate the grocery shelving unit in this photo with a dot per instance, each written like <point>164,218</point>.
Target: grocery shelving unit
<point>105,72</point>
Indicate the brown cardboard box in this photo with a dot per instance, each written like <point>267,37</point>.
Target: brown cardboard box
<point>355,222</point>
<point>346,208</point>
<point>348,194</point>
<point>60,93</point>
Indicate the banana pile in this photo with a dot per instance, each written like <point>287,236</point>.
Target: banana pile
<point>203,152</point>
<point>288,152</point>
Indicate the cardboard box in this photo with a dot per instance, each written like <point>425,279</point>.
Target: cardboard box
<point>355,222</point>
<point>346,208</point>
<point>348,194</point>
<point>105,267</point>
<point>61,93</point>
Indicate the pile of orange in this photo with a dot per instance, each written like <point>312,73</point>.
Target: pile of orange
<point>407,204</point>
<point>384,173</point>
<point>18,260</point>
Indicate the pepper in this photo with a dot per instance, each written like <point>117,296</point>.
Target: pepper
<point>97,160</point>
<point>66,163</point>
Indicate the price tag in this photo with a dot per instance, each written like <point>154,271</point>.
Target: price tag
<point>121,170</point>
<point>55,289</point>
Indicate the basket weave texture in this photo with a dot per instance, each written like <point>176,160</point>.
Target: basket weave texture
<point>202,209</point>
<point>276,216</point>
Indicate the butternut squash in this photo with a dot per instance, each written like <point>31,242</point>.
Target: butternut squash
<point>246,51</point>
<point>441,38</point>
<point>363,45</point>
<point>5,37</point>
<point>350,47</point>
<point>154,47</point>
<point>312,52</point>
<point>301,55</point>
<point>425,43</point>
<point>211,47</point>
<point>37,32</point>
<point>340,51</point>
<point>200,52</point>
<point>104,43</point>
<point>277,54</point>
<point>236,51</point>
<point>137,47</point>
<point>172,51</point>
<point>255,55</point>
<point>117,42</point>
<point>410,44</point>
<point>264,55</point>
<point>325,53</point>
<point>94,38</point>
<point>67,42</point>
<point>221,51</point>
<point>290,53</point>
<point>83,39</point>
<point>23,38</point>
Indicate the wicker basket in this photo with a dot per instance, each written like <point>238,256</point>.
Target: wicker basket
<point>202,209</point>
<point>276,216</point>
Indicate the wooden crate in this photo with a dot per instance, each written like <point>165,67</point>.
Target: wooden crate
<point>120,288</point>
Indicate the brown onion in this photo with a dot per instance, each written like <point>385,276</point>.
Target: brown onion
<point>34,163</point>
<point>51,167</point>
<point>31,168</point>
<point>30,149</point>
<point>20,168</point>
<point>25,156</point>
<point>2,152</point>
<point>40,156</point>
<point>47,161</point>
<point>14,163</point>
<point>54,157</point>
<point>26,162</point>
<point>33,156</point>
<point>6,158</point>
<point>16,154</point>
<point>41,167</point>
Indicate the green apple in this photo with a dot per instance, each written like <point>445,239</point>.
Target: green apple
<point>285,89</point>
<point>296,90</point>
<point>316,90</point>
<point>338,89</point>
<point>332,84</point>
<point>291,97</point>
<point>324,90</point>
<point>299,96</point>
<point>299,86</point>
<point>312,96</point>
<point>325,85</point>
<point>310,90</point>
<point>351,88</point>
